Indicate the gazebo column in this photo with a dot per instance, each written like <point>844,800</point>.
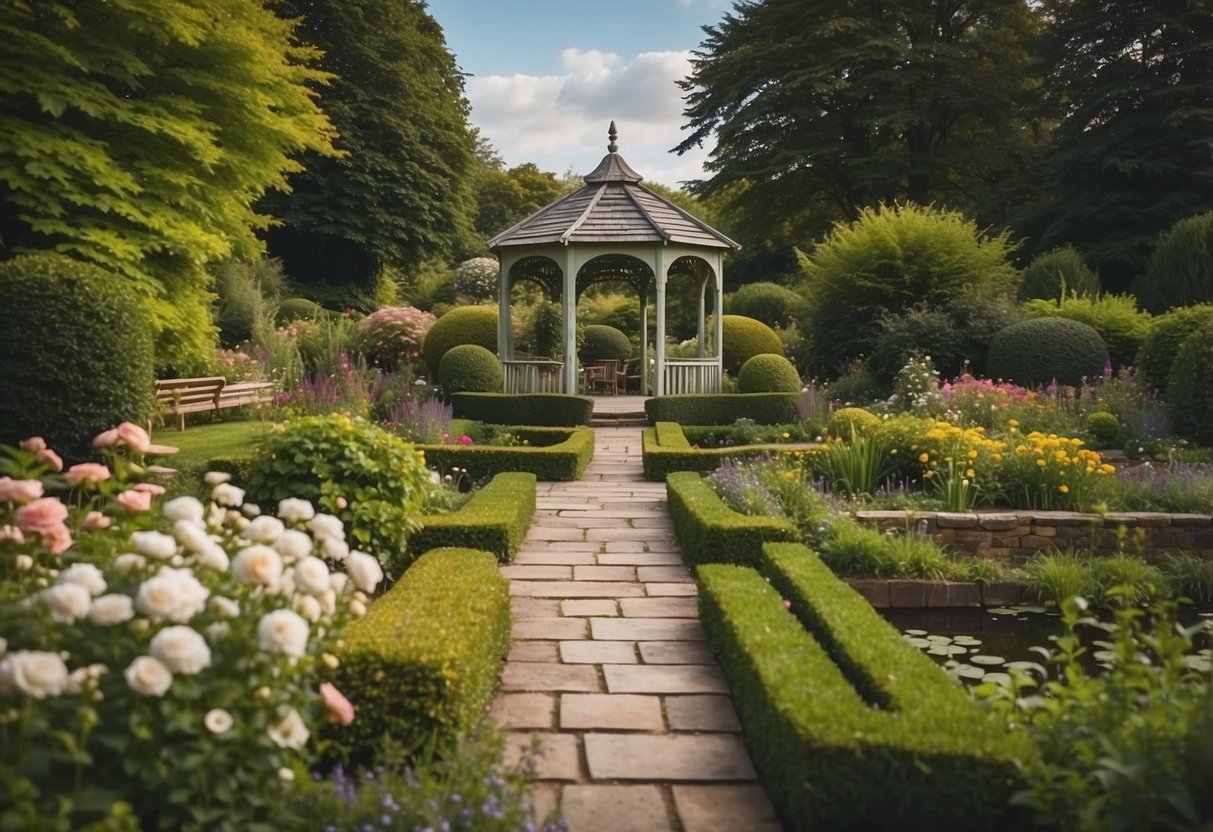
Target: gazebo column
<point>569,313</point>
<point>719,346</point>
<point>701,331</point>
<point>659,371</point>
<point>643,292</point>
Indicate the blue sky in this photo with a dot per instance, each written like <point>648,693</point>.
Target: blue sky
<point>547,77</point>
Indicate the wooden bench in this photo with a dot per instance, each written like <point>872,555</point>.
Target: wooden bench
<point>208,394</point>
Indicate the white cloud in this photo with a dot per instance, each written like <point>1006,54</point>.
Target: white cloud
<point>560,121</point>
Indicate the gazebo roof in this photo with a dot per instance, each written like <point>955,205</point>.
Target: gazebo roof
<point>612,207</point>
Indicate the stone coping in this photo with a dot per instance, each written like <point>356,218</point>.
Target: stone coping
<point>998,520</point>
<point>906,593</point>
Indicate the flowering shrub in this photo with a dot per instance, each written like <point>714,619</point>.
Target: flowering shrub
<point>392,337</point>
<point>980,402</point>
<point>477,278</point>
<point>159,662</point>
<point>961,464</point>
<point>916,389</point>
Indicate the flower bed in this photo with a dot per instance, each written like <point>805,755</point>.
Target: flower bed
<point>666,449</point>
<point>553,454</point>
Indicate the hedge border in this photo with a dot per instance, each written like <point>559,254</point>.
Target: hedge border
<point>495,519</point>
<point>543,409</point>
<point>711,532</point>
<point>563,461</point>
<point>724,408</point>
<point>666,449</point>
<point>422,664</point>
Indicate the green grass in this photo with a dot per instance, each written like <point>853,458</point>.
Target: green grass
<point>199,444</point>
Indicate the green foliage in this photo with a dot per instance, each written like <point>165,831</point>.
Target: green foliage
<point>495,519</point>
<point>1039,351</point>
<point>1104,427</point>
<point>771,303</point>
<point>423,662</point>
<point>1116,318</point>
<point>550,454</point>
<point>847,422</point>
<point>545,409</point>
<point>1190,576</point>
<point>1190,386</point>
<point>245,291</point>
<point>298,309</point>
<point>478,278</point>
<point>548,335</point>
<point>1058,274</point>
<point>1181,268</point>
<point>743,338</point>
<point>666,448</point>
<point>506,197</point>
<point>461,325</point>
<point>1167,334</point>
<point>886,261</point>
<point>470,368</point>
<point>857,465</point>
<point>75,352</point>
<point>711,532</point>
<point>335,458</point>
<point>1058,576</point>
<point>768,373</point>
<point>139,136</point>
<point>604,342</point>
<point>723,408</point>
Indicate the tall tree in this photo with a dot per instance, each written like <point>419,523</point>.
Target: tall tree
<point>823,107</point>
<point>138,134</point>
<point>505,197</point>
<point>1131,89</point>
<point>401,192</point>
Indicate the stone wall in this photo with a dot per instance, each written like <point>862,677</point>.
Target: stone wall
<point>1011,537</point>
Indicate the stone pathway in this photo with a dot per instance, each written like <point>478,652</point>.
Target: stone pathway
<point>609,668</point>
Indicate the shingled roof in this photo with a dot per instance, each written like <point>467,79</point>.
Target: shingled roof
<point>613,207</point>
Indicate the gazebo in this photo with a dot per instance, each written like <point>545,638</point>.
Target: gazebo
<point>612,229</point>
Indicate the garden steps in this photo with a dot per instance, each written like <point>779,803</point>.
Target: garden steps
<point>619,412</point>
<point>609,669</point>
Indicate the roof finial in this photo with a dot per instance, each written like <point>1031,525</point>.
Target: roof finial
<point>612,134</point>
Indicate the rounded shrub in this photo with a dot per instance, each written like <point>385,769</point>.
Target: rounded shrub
<point>460,325</point>
<point>1166,336</point>
<point>1058,274</point>
<point>770,303</point>
<point>391,337</point>
<point>478,278</point>
<point>768,373</point>
<point>376,483</point>
<point>1116,318</point>
<point>75,352</point>
<point>295,309</point>
<point>1037,352</point>
<point>743,338</point>
<point>1190,388</point>
<point>852,421</point>
<point>604,342</point>
<point>1104,428</point>
<point>470,368</point>
<point>1180,272</point>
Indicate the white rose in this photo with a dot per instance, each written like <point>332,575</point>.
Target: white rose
<point>326,525</point>
<point>364,571</point>
<point>290,732</point>
<point>213,557</point>
<point>216,477</point>
<point>85,574</point>
<point>218,721</point>
<point>35,673</point>
<point>283,631</point>
<point>66,603</point>
<point>357,608</point>
<point>339,582</point>
<point>181,649</point>
<point>173,594</point>
<point>184,508</point>
<point>217,630</point>
<point>24,563</point>
<point>264,530</point>
<point>334,549</point>
<point>294,545</point>
<point>258,565</point>
<point>129,562</point>
<point>111,609</point>
<point>154,544</point>
<point>226,494</point>
<point>148,676</point>
<point>215,515</point>
<point>191,535</point>
<point>250,509</point>
<point>311,576</point>
<point>308,607</point>
<point>328,602</point>
<point>294,510</point>
<point>224,607</point>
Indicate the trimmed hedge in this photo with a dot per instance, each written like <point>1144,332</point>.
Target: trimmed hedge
<point>495,519</point>
<point>666,449</point>
<point>711,532</point>
<point>849,726</point>
<point>724,408</point>
<point>460,325</point>
<point>1033,353</point>
<point>768,373</point>
<point>422,664</point>
<point>743,338</point>
<point>544,409</point>
<point>470,368</point>
<point>604,342</point>
<point>565,460</point>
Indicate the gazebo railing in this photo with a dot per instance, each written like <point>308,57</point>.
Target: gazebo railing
<point>692,375</point>
<point>533,376</point>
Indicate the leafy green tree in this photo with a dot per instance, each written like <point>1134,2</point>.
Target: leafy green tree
<point>401,191</point>
<point>506,197</point>
<point>139,134</point>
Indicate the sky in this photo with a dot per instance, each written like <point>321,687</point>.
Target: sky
<point>546,78</point>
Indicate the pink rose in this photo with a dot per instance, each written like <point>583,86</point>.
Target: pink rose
<point>87,473</point>
<point>35,444</point>
<point>51,458</point>
<point>341,502</point>
<point>107,439</point>
<point>11,533</point>
<point>57,540</point>
<point>150,488</point>
<point>95,520</point>
<point>464,440</point>
<point>134,436</point>
<point>19,491</point>
<point>134,501</point>
<point>41,516</point>
<point>341,710</point>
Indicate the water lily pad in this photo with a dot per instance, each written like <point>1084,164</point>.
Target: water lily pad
<point>1031,609</point>
<point>966,641</point>
<point>1000,611</point>
<point>939,650</point>
<point>1027,666</point>
<point>916,632</point>
<point>987,660</point>
<point>940,639</point>
<point>1003,679</point>
<point>920,643</point>
<point>968,671</point>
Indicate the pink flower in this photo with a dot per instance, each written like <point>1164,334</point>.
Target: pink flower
<point>134,436</point>
<point>107,439</point>
<point>51,458</point>
<point>35,444</point>
<point>150,488</point>
<point>19,491</point>
<point>87,473</point>
<point>11,533</point>
<point>464,440</point>
<point>341,710</point>
<point>42,515</point>
<point>341,502</point>
<point>95,520</point>
<point>58,540</point>
<point>134,501</point>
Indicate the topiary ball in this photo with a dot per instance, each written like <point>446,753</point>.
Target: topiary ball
<point>1190,389</point>
<point>743,338</point>
<point>296,309</point>
<point>768,373</point>
<point>460,325</point>
<point>604,343</point>
<point>470,368</point>
<point>771,303</point>
<point>1167,334</point>
<point>1037,352</point>
<point>75,353</point>
<point>1104,428</point>
<point>851,421</point>
<point>1057,274</point>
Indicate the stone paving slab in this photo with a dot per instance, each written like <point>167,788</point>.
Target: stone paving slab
<point>680,757</point>
<point>598,652</point>
<point>599,711</point>
<point>676,652</point>
<point>604,573</point>
<point>536,573</point>
<point>685,607</point>
<point>664,678</point>
<point>576,589</point>
<point>596,607</point>
<point>720,807</point>
<point>559,756</point>
<point>701,713</point>
<point>638,558</point>
<point>646,629</point>
<point>558,628</point>
<point>667,574</point>
<point>661,589</point>
<point>534,651</point>
<point>535,676</point>
<point>523,710</point>
<point>637,808</point>
<point>534,608</point>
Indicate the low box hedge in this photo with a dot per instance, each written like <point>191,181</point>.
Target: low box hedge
<point>849,726</point>
<point>422,664</point>
<point>545,409</point>
<point>495,519</point>
<point>711,532</point>
<point>724,408</point>
<point>665,449</point>
<point>560,460</point>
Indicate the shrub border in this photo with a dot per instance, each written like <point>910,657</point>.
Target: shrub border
<point>544,409</point>
<point>666,449</point>
<point>563,461</point>
<point>711,532</point>
<point>723,408</point>
<point>495,519</point>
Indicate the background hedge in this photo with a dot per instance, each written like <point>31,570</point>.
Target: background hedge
<point>1033,353</point>
<point>724,408</point>
<point>563,461</point>
<point>543,409</point>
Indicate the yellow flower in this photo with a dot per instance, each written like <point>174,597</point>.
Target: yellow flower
<point>786,435</point>
<point>970,473</point>
<point>972,454</point>
<point>1063,488</point>
<point>1041,463</point>
<point>923,457</point>
<point>1014,423</point>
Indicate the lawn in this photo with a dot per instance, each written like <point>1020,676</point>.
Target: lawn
<point>201,443</point>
